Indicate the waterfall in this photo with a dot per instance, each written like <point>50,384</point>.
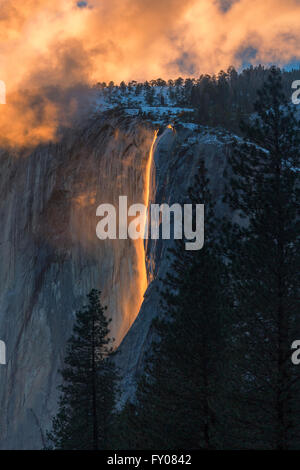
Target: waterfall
<point>141,244</point>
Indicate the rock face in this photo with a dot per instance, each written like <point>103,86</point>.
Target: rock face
<point>177,157</point>
<point>51,257</point>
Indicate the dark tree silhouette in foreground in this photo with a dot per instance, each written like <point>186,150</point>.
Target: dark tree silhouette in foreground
<point>88,390</point>
<point>179,398</point>
<point>263,254</point>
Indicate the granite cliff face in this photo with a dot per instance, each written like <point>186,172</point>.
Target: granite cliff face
<point>176,160</point>
<point>51,257</point>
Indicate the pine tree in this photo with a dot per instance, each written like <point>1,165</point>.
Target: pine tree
<point>150,95</point>
<point>179,403</point>
<point>88,390</point>
<point>263,254</point>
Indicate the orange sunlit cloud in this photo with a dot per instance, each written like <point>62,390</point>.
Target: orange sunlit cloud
<point>50,49</point>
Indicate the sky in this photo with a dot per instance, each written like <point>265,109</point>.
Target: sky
<point>50,49</point>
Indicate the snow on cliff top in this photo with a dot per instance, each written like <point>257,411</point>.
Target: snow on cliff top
<point>157,103</point>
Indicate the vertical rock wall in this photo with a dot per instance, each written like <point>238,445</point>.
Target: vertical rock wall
<point>51,257</point>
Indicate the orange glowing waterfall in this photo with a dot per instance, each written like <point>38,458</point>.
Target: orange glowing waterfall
<point>148,176</point>
<point>140,245</point>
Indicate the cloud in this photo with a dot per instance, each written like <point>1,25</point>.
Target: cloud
<point>50,49</point>
<point>225,5</point>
